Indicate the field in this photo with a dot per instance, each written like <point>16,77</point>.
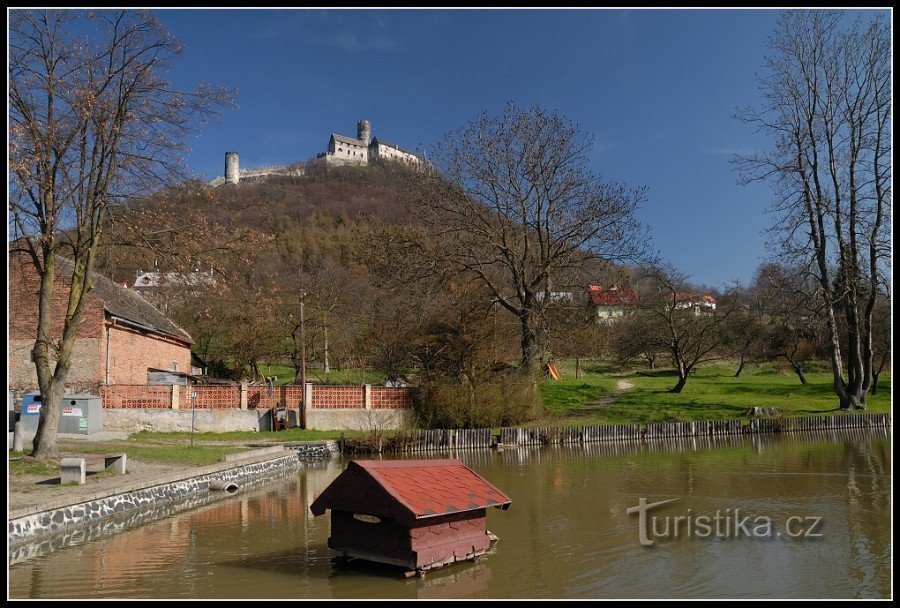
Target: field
<point>606,396</point>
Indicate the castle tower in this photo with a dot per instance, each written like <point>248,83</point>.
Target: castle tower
<point>364,131</point>
<point>232,168</point>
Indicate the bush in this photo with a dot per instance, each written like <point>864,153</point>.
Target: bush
<point>504,401</point>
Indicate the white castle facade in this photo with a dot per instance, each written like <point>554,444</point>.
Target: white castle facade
<point>342,150</point>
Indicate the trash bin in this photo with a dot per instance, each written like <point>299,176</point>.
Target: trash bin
<point>31,410</point>
<point>79,414</point>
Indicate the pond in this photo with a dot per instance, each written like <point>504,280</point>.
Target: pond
<point>567,534</point>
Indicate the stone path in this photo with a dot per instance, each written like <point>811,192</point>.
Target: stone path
<point>621,387</point>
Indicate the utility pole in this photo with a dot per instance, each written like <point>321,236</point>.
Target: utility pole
<point>303,350</point>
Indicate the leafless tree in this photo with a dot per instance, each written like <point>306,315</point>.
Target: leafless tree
<point>792,314</point>
<point>691,335</point>
<point>93,121</point>
<point>827,108</point>
<point>516,204</point>
<point>881,338</point>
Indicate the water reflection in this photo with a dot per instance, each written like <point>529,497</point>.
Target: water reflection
<point>566,535</point>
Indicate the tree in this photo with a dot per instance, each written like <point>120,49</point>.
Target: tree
<point>793,318</point>
<point>881,338</point>
<point>827,108</point>
<point>516,205</point>
<point>92,123</point>
<point>745,331</point>
<point>634,336</point>
<point>689,334</point>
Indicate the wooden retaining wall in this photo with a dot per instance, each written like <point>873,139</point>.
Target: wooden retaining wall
<point>442,439</point>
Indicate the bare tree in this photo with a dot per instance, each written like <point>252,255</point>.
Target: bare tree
<point>792,314</point>
<point>827,107</point>
<point>745,331</point>
<point>690,334</point>
<point>881,338</point>
<point>517,205</point>
<point>92,122</point>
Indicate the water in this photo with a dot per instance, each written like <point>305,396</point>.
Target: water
<point>566,534</point>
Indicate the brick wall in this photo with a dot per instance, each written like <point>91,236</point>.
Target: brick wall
<point>132,352</point>
<point>122,396</point>
<point>258,397</point>
<point>24,286</point>
<point>338,397</point>
<point>386,397</point>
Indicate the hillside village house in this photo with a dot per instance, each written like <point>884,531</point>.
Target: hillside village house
<point>122,340</point>
<point>611,302</point>
<point>698,303</point>
<point>158,287</point>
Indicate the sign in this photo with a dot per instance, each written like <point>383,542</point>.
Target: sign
<point>369,519</point>
<point>72,411</point>
<point>33,408</point>
<point>82,424</point>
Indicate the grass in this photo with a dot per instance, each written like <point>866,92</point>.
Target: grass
<point>241,436</point>
<point>19,464</point>
<point>712,393</point>
<point>285,374</point>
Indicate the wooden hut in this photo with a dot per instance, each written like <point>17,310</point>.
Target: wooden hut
<point>419,514</point>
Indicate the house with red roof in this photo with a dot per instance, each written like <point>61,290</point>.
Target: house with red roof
<point>417,514</point>
<point>611,302</point>
<point>699,304</point>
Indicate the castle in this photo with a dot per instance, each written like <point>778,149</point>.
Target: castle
<point>342,150</point>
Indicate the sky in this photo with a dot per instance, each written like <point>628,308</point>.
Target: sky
<point>657,88</point>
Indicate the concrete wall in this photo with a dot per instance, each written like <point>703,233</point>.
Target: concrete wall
<point>167,421</point>
<point>357,419</point>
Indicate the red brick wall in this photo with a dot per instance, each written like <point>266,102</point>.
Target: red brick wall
<point>338,397</point>
<point>24,286</point>
<point>388,397</point>
<point>132,352</point>
<point>136,396</point>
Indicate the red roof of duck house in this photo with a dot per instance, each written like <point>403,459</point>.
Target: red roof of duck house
<point>409,489</point>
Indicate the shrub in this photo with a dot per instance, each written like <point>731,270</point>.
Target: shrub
<point>504,401</point>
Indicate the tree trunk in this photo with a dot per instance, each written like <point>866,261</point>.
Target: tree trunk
<point>577,368</point>
<point>682,380</point>
<point>46,436</point>
<point>651,360</point>
<point>531,348</point>
<point>740,368</point>
<point>875,382</point>
<point>799,371</point>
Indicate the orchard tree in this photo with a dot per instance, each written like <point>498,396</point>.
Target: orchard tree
<point>92,122</point>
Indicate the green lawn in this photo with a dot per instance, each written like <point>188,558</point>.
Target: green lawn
<point>285,374</point>
<point>710,394</point>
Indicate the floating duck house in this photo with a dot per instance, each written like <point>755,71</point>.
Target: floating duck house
<point>418,514</point>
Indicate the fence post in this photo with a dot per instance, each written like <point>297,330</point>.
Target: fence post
<point>244,395</point>
<point>367,396</point>
<point>307,396</point>
<point>176,396</point>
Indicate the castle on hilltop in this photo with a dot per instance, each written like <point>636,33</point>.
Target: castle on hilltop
<point>342,150</point>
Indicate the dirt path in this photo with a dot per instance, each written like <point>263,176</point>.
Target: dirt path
<point>621,387</point>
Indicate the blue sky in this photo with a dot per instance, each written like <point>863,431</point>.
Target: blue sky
<point>656,88</point>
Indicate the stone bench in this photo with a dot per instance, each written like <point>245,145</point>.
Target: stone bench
<point>74,469</point>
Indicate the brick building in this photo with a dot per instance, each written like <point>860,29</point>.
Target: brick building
<point>121,337</point>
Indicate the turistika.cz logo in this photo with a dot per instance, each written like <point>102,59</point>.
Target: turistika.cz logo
<point>720,524</point>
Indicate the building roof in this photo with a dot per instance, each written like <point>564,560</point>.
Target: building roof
<point>408,490</point>
<point>695,298</point>
<point>611,296</point>
<point>396,147</point>
<point>348,140</point>
<point>128,305</point>
<point>173,279</point>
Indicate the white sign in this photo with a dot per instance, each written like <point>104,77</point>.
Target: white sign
<point>72,411</point>
<point>33,408</point>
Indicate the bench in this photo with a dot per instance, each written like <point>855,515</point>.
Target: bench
<point>74,469</point>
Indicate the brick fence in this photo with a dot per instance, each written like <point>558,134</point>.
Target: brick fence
<point>244,396</point>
